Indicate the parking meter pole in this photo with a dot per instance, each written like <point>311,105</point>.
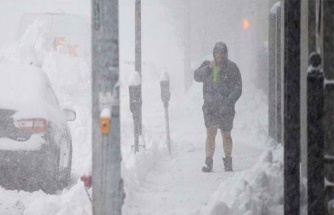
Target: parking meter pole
<point>136,123</point>
<point>315,139</point>
<point>271,75</point>
<point>138,56</point>
<point>167,129</point>
<point>106,180</point>
<point>165,97</point>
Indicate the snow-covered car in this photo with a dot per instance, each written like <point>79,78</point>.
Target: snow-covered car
<point>35,140</point>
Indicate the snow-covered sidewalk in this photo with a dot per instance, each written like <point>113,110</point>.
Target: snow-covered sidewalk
<point>176,185</point>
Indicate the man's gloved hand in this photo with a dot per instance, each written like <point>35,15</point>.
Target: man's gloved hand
<point>212,64</point>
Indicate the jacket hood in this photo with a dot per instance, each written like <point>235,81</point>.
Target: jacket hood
<point>221,46</point>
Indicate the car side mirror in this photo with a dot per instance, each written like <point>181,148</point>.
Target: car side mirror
<point>70,115</point>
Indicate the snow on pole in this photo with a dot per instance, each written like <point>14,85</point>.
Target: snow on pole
<point>164,76</point>
<point>134,79</point>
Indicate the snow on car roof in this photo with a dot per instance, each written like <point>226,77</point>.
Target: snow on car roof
<point>23,88</point>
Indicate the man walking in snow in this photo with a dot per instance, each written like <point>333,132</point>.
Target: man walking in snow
<point>222,87</point>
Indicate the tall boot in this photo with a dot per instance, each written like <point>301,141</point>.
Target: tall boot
<point>228,164</point>
<point>209,165</point>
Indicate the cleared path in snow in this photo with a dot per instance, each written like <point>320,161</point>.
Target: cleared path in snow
<point>177,185</point>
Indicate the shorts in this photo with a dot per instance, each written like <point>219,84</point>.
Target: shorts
<point>213,117</point>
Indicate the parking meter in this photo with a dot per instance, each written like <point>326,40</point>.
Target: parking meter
<point>135,93</point>
<point>165,92</point>
<point>165,96</point>
<point>135,100</point>
<point>135,105</point>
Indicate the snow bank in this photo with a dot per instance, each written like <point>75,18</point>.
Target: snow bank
<point>32,46</point>
<point>73,201</point>
<point>256,191</point>
<point>137,166</point>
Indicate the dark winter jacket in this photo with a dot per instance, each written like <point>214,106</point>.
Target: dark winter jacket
<point>224,93</point>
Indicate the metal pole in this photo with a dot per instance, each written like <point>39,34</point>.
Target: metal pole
<point>328,39</point>
<point>315,139</point>
<point>292,10</point>
<point>107,182</point>
<point>278,77</point>
<point>138,57</point>
<point>329,140</point>
<point>328,58</point>
<point>187,46</point>
<point>311,26</point>
<point>167,130</point>
<point>271,76</point>
<point>319,26</point>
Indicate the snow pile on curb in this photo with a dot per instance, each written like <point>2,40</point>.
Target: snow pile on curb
<point>139,165</point>
<point>136,167</point>
<point>256,191</point>
<point>73,201</point>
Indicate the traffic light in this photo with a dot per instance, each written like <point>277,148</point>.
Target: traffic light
<point>245,24</point>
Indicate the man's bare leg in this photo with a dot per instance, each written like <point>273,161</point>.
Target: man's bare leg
<point>227,145</point>
<point>210,146</point>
